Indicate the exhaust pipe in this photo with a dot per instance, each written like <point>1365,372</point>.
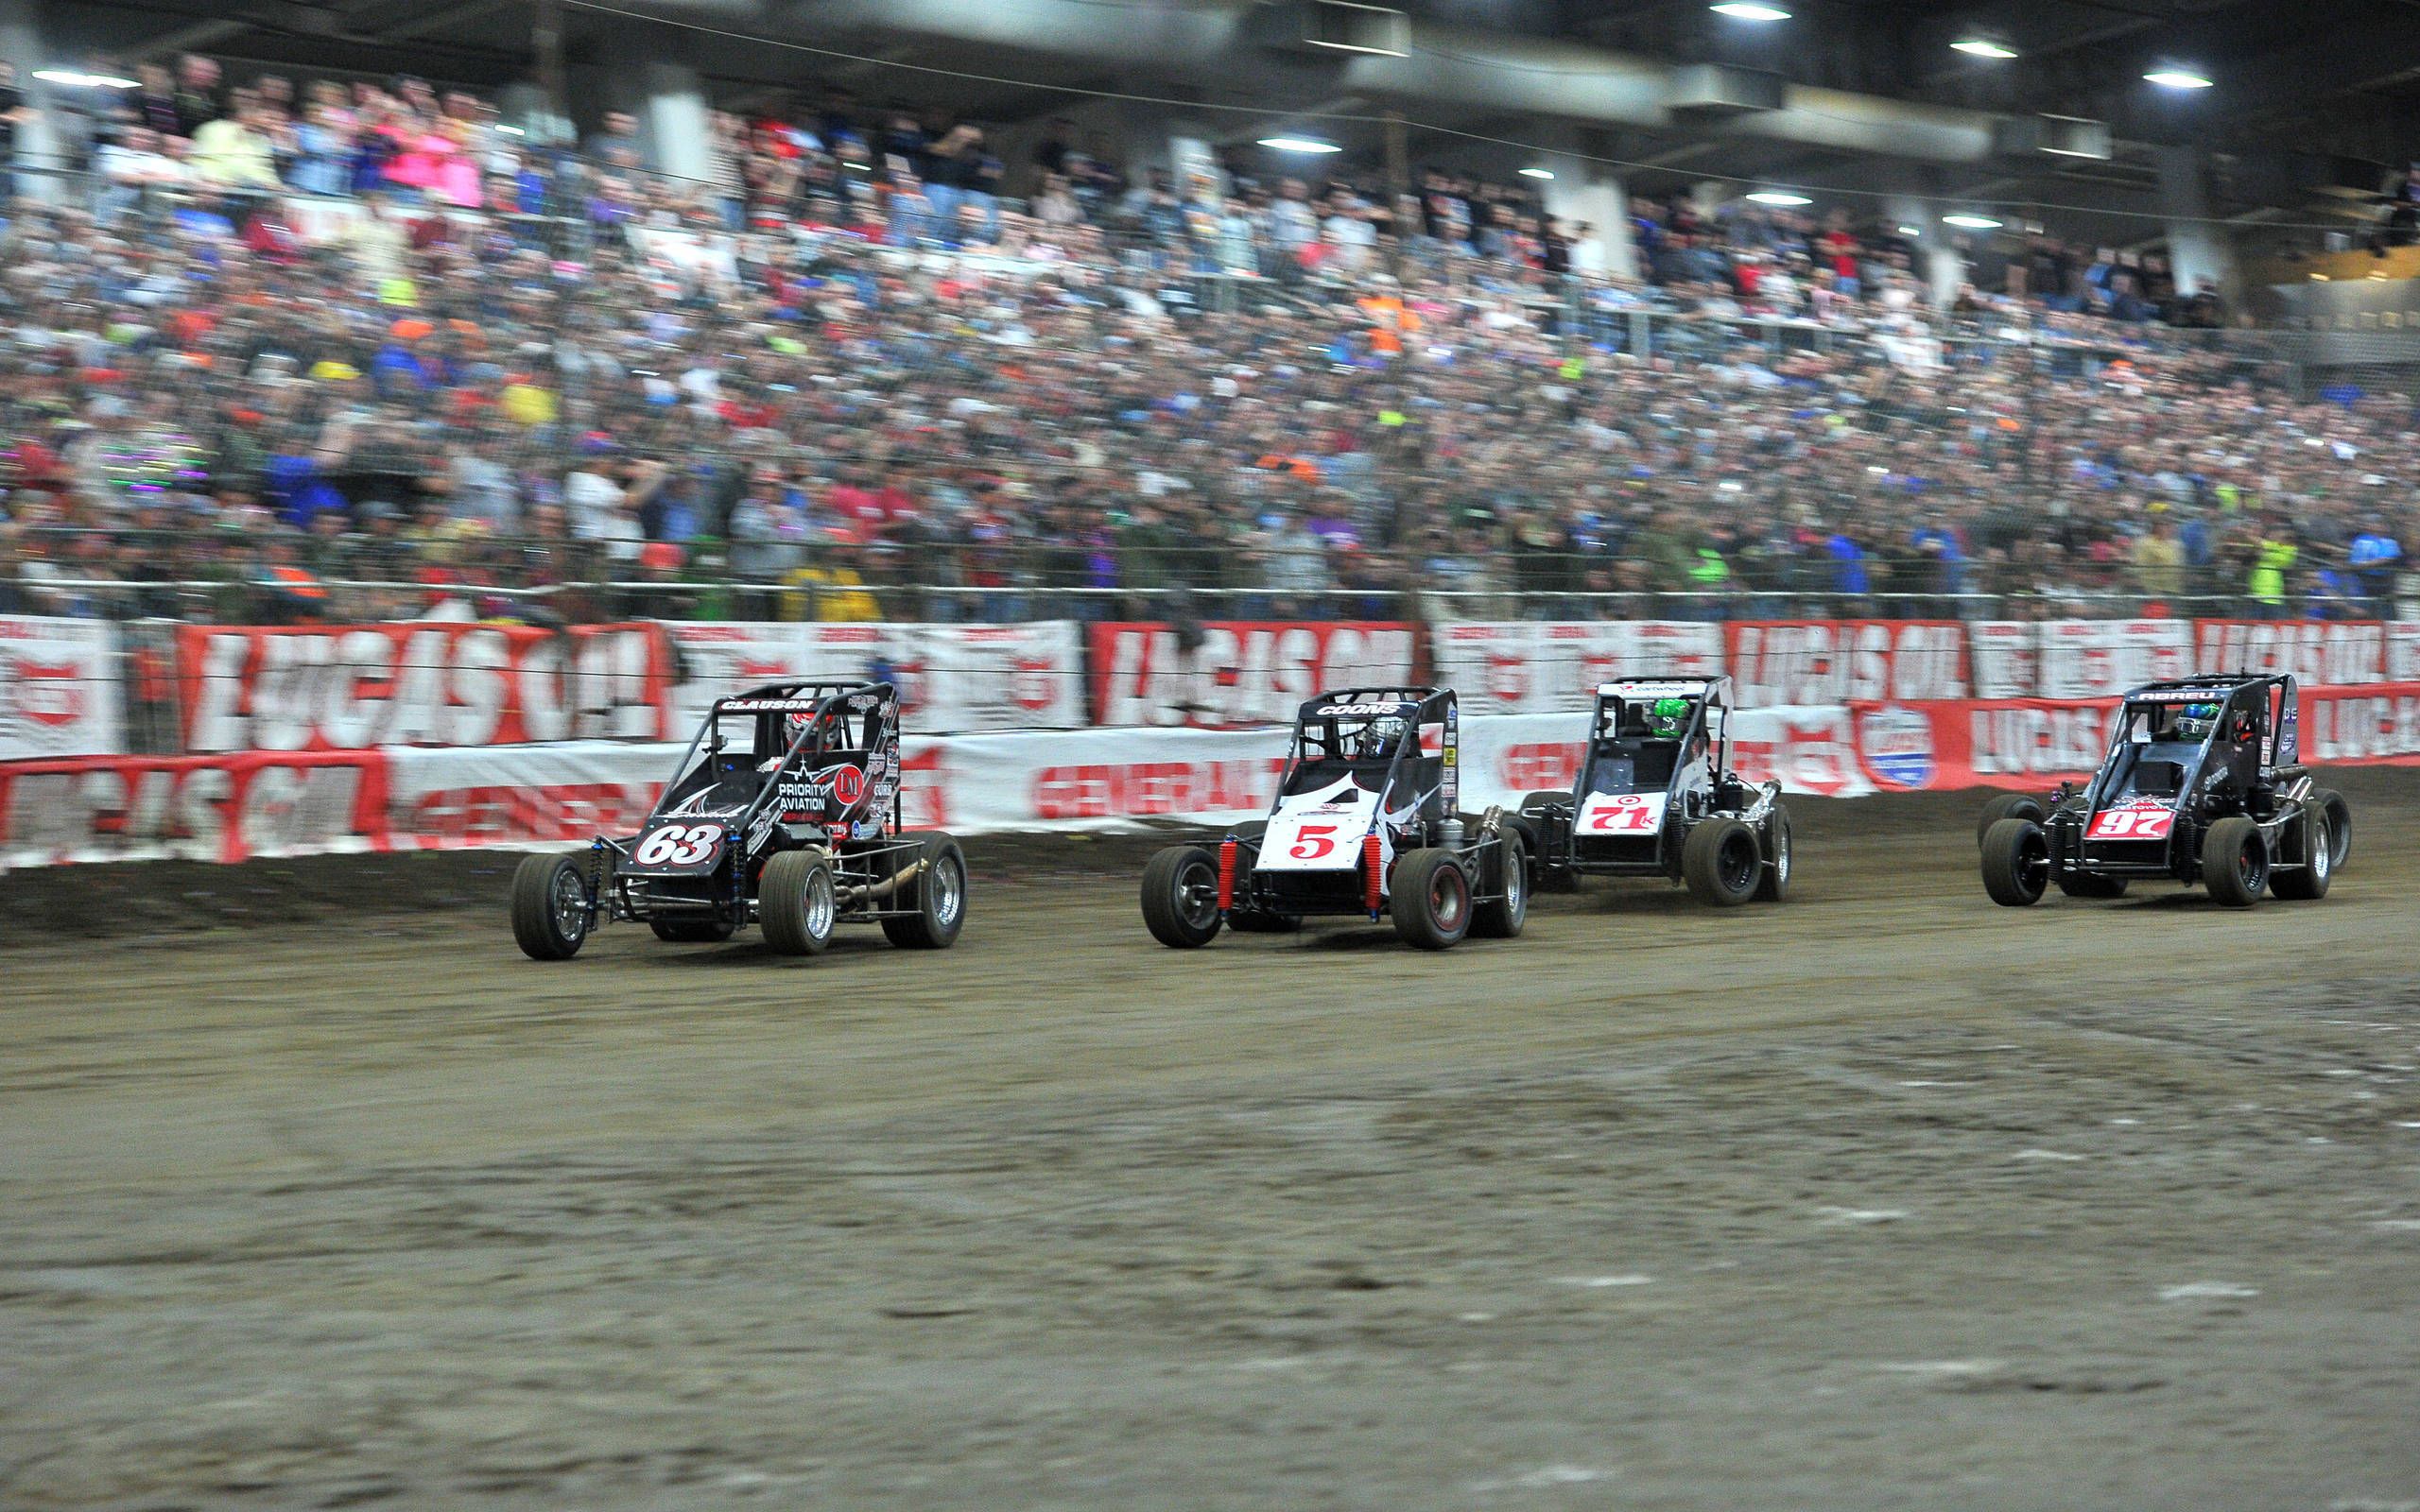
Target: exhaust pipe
<point>877,891</point>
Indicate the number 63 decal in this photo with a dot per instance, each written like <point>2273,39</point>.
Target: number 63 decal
<point>678,844</point>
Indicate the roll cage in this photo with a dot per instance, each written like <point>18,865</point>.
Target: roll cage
<point>1330,740</point>
<point>805,723</point>
<point>2255,735</point>
<point>1623,756</point>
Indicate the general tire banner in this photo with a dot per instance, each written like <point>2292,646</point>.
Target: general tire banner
<point>419,683</point>
<point>195,808</point>
<point>1522,666</point>
<point>1243,672</point>
<point>59,694</point>
<point>1785,663</point>
<point>951,678</point>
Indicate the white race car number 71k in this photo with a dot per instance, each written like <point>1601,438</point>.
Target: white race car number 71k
<point>678,844</point>
<point>1629,814</point>
<point>2132,824</point>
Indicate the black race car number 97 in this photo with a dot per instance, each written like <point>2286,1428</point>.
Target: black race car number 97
<point>678,844</point>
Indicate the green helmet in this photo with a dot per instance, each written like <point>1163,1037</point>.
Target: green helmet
<point>1666,719</point>
<point>2197,720</point>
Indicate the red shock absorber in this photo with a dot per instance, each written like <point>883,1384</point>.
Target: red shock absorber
<point>1226,875</point>
<point>1372,869</point>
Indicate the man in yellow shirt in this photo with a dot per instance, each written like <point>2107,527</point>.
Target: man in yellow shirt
<point>2159,561</point>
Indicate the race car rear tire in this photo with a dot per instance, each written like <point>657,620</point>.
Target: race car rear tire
<point>937,893</point>
<point>1722,862</point>
<point>550,912</point>
<point>2008,806</point>
<point>2234,861</point>
<point>691,931</point>
<point>2308,881</point>
<point>1501,916</point>
<point>2016,863</point>
<point>1773,886</point>
<point>2340,825</point>
<point>1180,897</point>
<point>2092,885</point>
<point>796,903</point>
<point>1432,899</point>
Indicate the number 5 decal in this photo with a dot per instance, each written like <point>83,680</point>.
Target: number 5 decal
<point>1313,842</point>
<point>677,845</point>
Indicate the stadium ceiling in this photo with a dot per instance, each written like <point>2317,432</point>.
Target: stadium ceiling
<point>1845,95</point>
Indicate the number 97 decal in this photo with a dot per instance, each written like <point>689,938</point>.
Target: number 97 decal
<point>2132,824</point>
<point>678,844</point>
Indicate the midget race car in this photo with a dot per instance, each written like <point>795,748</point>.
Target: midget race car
<point>783,814</point>
<point>1364,822</point>
<point>2202,783</point>
<point>1655,797</point>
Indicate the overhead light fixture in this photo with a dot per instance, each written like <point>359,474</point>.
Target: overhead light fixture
<point>1298,144</point>
<point>508,129</point>
<point>1971,222</point>
<point>76,79</point>
<point>1912,230</point>
<point>1749,10</point>
<point>1778,197</point>
<point>1537,173</point>
<point>2171,76</point>
<point>1983,47</point>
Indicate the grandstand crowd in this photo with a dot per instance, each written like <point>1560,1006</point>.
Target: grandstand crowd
<point>296,350</point>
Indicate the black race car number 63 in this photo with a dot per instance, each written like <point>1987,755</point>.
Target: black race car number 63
<point>678,844</point>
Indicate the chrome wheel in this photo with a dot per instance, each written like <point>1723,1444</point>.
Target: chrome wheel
<point>1196,895</point>
<point>948,882</point>
<point>571,903</point>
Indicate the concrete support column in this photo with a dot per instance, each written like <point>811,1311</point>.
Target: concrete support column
<point>1582,193</point>
<point>1938,260</point>
<point>673,121</point>
<point>2198,246</point>
<point>40,143</point>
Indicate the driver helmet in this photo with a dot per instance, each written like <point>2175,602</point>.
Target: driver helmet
<point>1666,719</point>
<point>1378,738</point>
<point>2197,720</point>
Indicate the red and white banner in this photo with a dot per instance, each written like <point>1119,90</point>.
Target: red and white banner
<point>1522,666</point>
<point>1245,672</point>
<point>951,678</point>
<point>59,688</point>
<point>1785,663</point>
<point>2323,653</point>
<point>2005,657</point>
<point>2095,659</point>
<point>194,808</point>
<point>419,683</point>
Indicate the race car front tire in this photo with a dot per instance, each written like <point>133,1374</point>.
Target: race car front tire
<point>2308,881</point>
<point>691,931</point>
<point>2007,806</point>
<point>938,895</point>
<point>1502,915</point>
<point>1722,862</point>
<point>550,912</point>
<point>1773,886</point>
<point>1180,897</point>
<point>2016,863</point>
<point>1432,899</point>
<point>2234,861</point>
<point>796,903</point>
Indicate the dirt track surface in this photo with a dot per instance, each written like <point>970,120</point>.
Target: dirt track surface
<point>1884,1198</point>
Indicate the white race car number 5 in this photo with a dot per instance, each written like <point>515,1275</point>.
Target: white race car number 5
<point>1313,842</point>
<point>678,844</point>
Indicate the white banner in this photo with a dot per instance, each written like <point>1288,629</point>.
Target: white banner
<point>2006,657</point>
<point>1523,666</point>
<point>2094,658</point>
<point>951,678</point>
<point>59,688</point>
